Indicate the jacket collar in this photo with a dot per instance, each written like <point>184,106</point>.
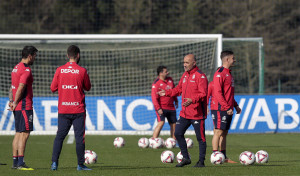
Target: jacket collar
<point>193,70</point>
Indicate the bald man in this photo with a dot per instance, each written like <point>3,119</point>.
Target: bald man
<point>193,90</point>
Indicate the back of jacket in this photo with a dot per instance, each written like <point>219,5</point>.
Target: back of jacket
<point>70,80</point>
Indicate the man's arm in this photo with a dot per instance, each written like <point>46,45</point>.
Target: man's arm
<point>175,97</point>
<point>11,98</point>
<point>237,108</point>
<point>19,96</point>
<point>155,97</point>
<point>218,91</point>
<point>202,85</point>
<point>86,82</point>
<point>54,84</point>
<point>176,91</point>
<point>209,92</point>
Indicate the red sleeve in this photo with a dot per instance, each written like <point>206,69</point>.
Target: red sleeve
<point>25,76</point>
<point>176,91</point>
<point>218,91</point>
<point>202,84</point>
<point>86,81</point>
<point>235,103</point>
<point>54,85</point>
<point>175,97</point>
<point>209,92</point>
<point>155,97</point>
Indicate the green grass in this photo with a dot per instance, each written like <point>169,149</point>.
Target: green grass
<point>283,149</point>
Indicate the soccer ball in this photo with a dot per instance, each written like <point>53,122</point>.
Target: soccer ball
<point>170,143</point>
<point>217,158</point>
<point>155,143</point>
<point>262,156</point>
<point>179,157</point>
<point>247,158</point>
<point>167,156</point>
<point>90,157</point>
<point>143,142</point>
<point>119,142</point>
<point>189,142</point>
<point>162,142</point>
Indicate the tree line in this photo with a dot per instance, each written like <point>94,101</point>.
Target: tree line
<point>277,21</point>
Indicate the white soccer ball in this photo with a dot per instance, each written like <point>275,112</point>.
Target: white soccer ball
<point>217,158</point>
<point>143,142</point>
<point>180,156</point>
<point>167,156</point>
<point>189,142</point>
<point>261,156</point>
<point>170,143</point>
<point>247,158</point>
<point>162,142</point>
<point>119,142</point>
<point>90,157</point>
<point>155,143</point>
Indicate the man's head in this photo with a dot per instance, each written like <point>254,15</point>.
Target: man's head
<point>189,62</point>
<point>29,54</point>
<point>227,58</point>
<point>162,71</point>
<point>74,53</point>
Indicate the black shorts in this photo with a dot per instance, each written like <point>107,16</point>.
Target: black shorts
<point>221,119</point>
<point>23,120</point>
<point>169,114</point>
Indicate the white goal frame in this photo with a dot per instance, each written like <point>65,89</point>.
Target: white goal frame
<point>119,37</point>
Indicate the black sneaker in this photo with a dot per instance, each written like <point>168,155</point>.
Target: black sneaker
<point>14,167</point>
<point>24,167</point>
<point>184,162</point>
<point>200,164</point>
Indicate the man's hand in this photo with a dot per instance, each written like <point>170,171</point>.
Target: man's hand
<point>176,104</point>
<point>160,111</point>
<point>187,102</point>
<point>161,93</point>
<point>12,106</point>
<point>230,112</point>
<point>238,110</point>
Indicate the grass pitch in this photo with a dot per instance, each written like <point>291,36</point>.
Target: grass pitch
<point>283,149</point>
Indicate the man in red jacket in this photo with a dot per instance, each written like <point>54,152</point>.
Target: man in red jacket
<point>71,80</point>
<point>223,103</point>
<point>20,102</point>
<point>193,89</point>
<point>164,106</point>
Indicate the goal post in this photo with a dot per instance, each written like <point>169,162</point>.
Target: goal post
<point>121,68</point>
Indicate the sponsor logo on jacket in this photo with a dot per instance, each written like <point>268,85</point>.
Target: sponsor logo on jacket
<point>73,71</point>
<point>70,103</point>
<point>69,87</point>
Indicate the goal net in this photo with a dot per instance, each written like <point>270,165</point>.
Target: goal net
<point>121,68</point>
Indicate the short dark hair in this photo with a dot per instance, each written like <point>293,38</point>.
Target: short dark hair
<point>160,69</point>
<point>73,50</point>
<point>28,50</point>
<point>226,53</point>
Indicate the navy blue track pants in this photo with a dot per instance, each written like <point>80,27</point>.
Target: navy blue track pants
<point>199,126</point>
<point>65,121</point>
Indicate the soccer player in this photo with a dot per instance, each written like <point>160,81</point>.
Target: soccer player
<point>20,102</point>
<point>71,80</point>
<point>193,89</point>
<point>164,106</point>
<point>223,103</point>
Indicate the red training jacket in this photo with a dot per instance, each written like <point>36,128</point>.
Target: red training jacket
<point>223,93</point>
<point>163,102</point>
<point>193,84</point>
<point>22,74</point>
<point>209,93</point>
<point>71,80</point>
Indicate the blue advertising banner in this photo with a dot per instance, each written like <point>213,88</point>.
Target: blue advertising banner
<point>260,114</point>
